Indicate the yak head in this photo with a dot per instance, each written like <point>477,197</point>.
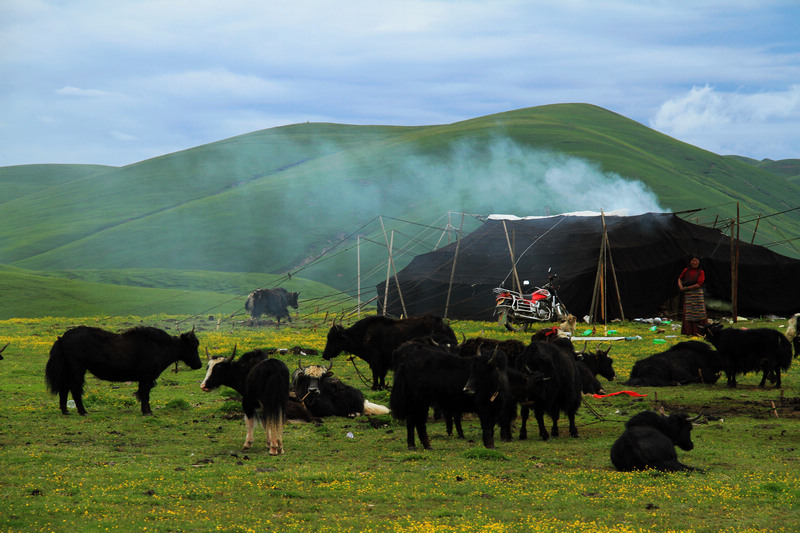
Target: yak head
<point>681,429</point>
<point>711,331</point>
<point>486,366</point>
<point>336,343</point>
<point>306,379</point>
<point>291,299</point>
<point>189,345</point>
<point>218,371</point>
<point>599,362</point>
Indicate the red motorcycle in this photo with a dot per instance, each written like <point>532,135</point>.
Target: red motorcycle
<point>541,305</point>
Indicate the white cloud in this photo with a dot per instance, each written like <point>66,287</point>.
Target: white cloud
<point>180,73</point>
<point>123,136</point>
<point>733,122</point>
<point>75,91</point>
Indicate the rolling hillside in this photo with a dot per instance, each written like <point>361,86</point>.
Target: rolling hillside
<point>274,201</point>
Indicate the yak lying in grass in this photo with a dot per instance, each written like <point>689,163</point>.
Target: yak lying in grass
<point>649,441</point>
<point>686,362</point>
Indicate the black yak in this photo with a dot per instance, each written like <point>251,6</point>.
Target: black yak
<point>750,350</point>
<point>649,441</point>
<point>554,386</point>
<point>685,362</point>
<point>375,338</point>
<point>263,384</point>
<point>275,302</point>
<point>592,364</point>
<point>492,393</point>
<point>325,395</point>
<point>428,376</point>
<point>138,354</point>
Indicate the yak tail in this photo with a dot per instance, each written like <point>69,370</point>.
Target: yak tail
<point>375,409</point>
<point>791,328</point>
<point>275,393</point>
<point>398,401</point>
<point>56,372</point>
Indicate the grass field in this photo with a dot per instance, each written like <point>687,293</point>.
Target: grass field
<point>182,469</point>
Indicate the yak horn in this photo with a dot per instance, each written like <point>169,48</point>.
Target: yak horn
<point>231,356</point>
<point>4,347</point>
<point>328,368</point>
<point>494,354</point>
<point>300,363</point>
<point>696,418</point>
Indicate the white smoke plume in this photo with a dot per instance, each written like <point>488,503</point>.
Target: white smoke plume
<point>505,176</point>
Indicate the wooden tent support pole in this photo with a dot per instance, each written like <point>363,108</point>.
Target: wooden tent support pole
<point>755,229</point>
<point>394,270</point>
<point>613,271</point>
<point>513,261</point>
<point>736,264</point>
<point>596,291</point>
<point>453,270</point>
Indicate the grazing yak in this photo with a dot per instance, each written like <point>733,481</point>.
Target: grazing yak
<point>554,386</point>
<point>685,362</point>
<point>750,350</point>
<point>263,384</point>
<point>275,302</point>
<point>471,347</point>
<point>324,395</point>
<point>649,441</point>
<point>138,354</point>
<point>496,390</point>
<point>590,364</point>
<point>427,376</point>
<point>374,338</point>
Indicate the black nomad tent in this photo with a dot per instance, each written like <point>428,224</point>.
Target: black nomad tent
<point>643,257</point>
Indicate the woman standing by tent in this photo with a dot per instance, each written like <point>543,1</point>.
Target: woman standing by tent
<point>690,283</point>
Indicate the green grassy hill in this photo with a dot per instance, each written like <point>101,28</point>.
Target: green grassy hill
<point>272,201</point>
<point>27,294</point>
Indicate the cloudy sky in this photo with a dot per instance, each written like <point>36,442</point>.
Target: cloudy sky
<point>116,82</point>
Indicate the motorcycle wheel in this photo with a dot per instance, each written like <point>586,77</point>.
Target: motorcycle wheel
<point>509,324</point>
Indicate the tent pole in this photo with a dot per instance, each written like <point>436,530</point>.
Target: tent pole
<point>596,290</point>
<point>736,266</point>
<point>603,283</point>
<point>358,267</point>
<point>755,229</point>
<point>733,273</point>
<point>513,262</point>
<point>388,273</point>
<point>453,271</point>
<point>394,270</point>
<point>613,270</point>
